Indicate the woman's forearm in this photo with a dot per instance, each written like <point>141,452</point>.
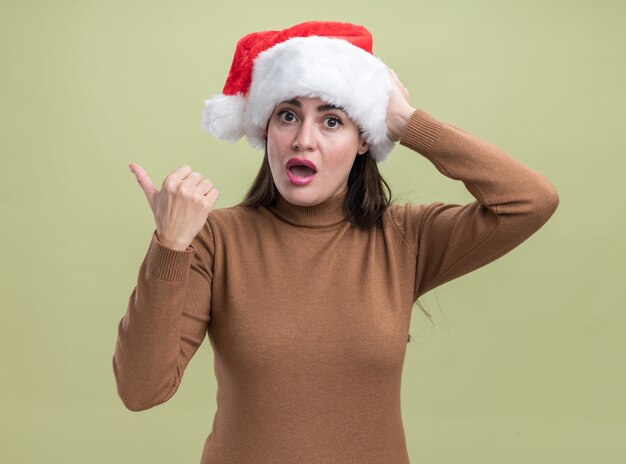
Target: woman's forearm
<point>498,181</point>
<point>165,322</point>
<point>512,202</point>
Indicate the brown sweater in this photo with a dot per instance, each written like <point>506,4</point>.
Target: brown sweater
<point>308,316</point>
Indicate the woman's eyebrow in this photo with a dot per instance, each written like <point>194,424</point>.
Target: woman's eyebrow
<point>293,102</point>
<point>325,107</point>
<point>329,107</point>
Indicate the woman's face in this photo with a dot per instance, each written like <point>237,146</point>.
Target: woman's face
<point>309,130</point>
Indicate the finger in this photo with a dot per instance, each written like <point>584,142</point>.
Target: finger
<point>193,179</point>
<point>145,182</point>
<point>176,178</point>
<point>395,76</point>
<point>205,186</point>
<point>181,172</point>
<point>212,196</point>
<point>400,85</point>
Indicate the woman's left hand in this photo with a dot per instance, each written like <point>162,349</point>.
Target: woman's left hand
<point>399,110</point>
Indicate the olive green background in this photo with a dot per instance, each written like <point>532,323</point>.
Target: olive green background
<point>525,360</point>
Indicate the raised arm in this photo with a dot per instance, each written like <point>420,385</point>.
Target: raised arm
<point>169,309</point>
<point>512,202</point>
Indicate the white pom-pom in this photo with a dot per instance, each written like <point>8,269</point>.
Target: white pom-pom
<point>222,116</point>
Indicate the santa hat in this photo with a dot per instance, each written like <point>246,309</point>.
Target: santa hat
<point>329,60</point>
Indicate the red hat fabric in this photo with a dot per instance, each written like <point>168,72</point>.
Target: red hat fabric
<point>249,46</point>
<point>325,59</point>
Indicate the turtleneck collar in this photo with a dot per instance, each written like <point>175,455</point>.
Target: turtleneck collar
<point>327,213</point>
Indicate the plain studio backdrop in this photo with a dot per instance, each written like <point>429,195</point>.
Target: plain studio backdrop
<point>525,360</point>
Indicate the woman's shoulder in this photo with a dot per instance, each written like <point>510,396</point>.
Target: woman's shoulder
<point>401,210</point>
<point>405,216</point>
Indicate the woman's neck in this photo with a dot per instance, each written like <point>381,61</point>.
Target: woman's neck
<point>329,212</point>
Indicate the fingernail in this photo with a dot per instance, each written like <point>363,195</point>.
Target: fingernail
<point>131,169</point>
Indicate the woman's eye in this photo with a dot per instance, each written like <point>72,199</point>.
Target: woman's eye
<point>333,122</point>
<point>286,115</point>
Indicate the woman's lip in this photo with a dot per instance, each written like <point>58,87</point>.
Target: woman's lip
<point>300,180</point>
<point>297,180</point>
<point>301,161</point>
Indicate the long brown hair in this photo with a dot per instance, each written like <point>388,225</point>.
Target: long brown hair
<point>367,198</point>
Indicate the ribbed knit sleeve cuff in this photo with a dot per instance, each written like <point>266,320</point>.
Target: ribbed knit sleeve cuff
<point>166,263</point>
<point>421,132</point>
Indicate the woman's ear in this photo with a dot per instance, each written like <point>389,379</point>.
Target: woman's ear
<point>363,147</point>
<point>267,126</point>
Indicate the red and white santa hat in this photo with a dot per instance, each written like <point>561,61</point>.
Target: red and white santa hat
<point>329,60</point>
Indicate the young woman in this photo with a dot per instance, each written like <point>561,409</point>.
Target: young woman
<point>306,288</point>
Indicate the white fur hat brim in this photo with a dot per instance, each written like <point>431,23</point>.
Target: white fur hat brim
<point>332,69</point>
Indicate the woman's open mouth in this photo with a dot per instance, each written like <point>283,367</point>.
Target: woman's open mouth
<point>300,171</point>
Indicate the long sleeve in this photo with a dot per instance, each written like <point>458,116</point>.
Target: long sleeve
<point>449,240</point>
<point>166,321</point>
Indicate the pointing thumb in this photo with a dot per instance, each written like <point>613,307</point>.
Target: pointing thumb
<point>144,182</point>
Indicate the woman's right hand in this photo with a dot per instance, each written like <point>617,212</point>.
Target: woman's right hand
<point>399,110</point>
<point>181,207</point>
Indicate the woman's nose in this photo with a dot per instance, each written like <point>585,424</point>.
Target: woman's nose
<point>305,137</point>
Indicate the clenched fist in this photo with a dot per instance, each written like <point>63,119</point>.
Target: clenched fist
<point>181,207</point>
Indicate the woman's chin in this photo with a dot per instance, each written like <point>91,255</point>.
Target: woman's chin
<point>301,196</point>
